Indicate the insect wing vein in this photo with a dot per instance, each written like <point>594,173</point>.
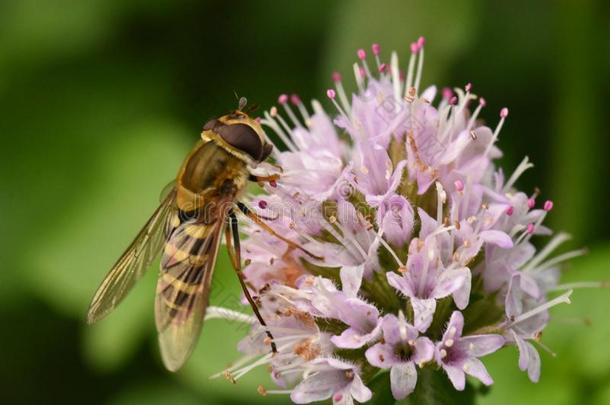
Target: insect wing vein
<point>133,263</point>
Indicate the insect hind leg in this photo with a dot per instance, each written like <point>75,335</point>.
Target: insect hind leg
<point>234,249</point>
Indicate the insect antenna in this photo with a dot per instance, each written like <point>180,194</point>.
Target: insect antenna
<point>241,101</point>
<point>251,108</point>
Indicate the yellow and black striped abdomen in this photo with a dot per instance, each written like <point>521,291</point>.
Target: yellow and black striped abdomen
<point>189,253</point>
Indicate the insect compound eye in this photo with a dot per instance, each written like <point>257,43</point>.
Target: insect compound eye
<point>267,149</point>
<point>211,124</point>
<point>242,137</point>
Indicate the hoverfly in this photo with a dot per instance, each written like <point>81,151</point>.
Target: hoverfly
<point>187,229</point>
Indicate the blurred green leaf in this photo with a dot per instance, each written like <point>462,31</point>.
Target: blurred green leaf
<point>71,260</point>
<point>159,394</point>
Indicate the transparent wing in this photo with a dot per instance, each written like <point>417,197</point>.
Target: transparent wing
<point>133,263</point>
<point>168,189</point>
<point>183,288</point>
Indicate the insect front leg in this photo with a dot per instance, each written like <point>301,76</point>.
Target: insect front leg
<point>259,220</point>
<point>271,179</point>
<point>234,249</point>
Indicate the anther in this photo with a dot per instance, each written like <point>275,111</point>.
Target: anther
<point>447,93</point>
<point>421,41</point>
<point>531,228</point>
<point>459,185</point>
<point>295,99</point>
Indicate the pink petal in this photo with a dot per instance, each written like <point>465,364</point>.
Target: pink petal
<point>449,282</point>
<point>403,378</point>
<point>475,368</point>
<point>400,283</point>
<point>424,350</point>
<point>359,391</point>
<point>381,355</point>
<point>351,279</point>
<point>456,321</point>
<point>497,238</point>
<point>456,376</point>
<point>481,345</point>
<point>461,296</point>
<point>423,312</point>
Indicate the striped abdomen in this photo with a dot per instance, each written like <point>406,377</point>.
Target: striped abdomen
<point>188,260</point>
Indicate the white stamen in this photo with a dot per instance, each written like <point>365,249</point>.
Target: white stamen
<point>441,199</point>
<point>464,98</point>
<point>389,248</point>
<point>271,123</point>
<point>474,116</point>
<point>562,299</point>
<point>395,77</point>
<point>545,348</point>
<point>560,259</point>
<point>281,392</point>
<point>365,65</point>
<point>550,247</point>
<point>495,135</point>
<point>304,113</point>
<point>402,326</point>
<point>341,111</point>
<point>523,166</point>
<point>342,99</point>
<point>344,241</point>
<point>359,79</point>
<point>291,115</point>
<point>410,71</point>
<point>420,66</point>
<point>214,312</point>
<point>581,284</point>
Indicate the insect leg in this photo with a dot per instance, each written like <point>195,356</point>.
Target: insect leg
<point>233,246</point>
<point>258,220</point>
<point>264,179</point>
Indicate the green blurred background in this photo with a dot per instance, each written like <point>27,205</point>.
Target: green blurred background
<point>101,99</point>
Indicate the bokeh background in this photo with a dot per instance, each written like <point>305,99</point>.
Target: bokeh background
<point>101,99</point>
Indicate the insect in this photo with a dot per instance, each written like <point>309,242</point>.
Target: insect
<point>187,229</point>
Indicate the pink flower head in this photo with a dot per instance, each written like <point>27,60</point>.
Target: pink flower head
<point>399,215</point>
